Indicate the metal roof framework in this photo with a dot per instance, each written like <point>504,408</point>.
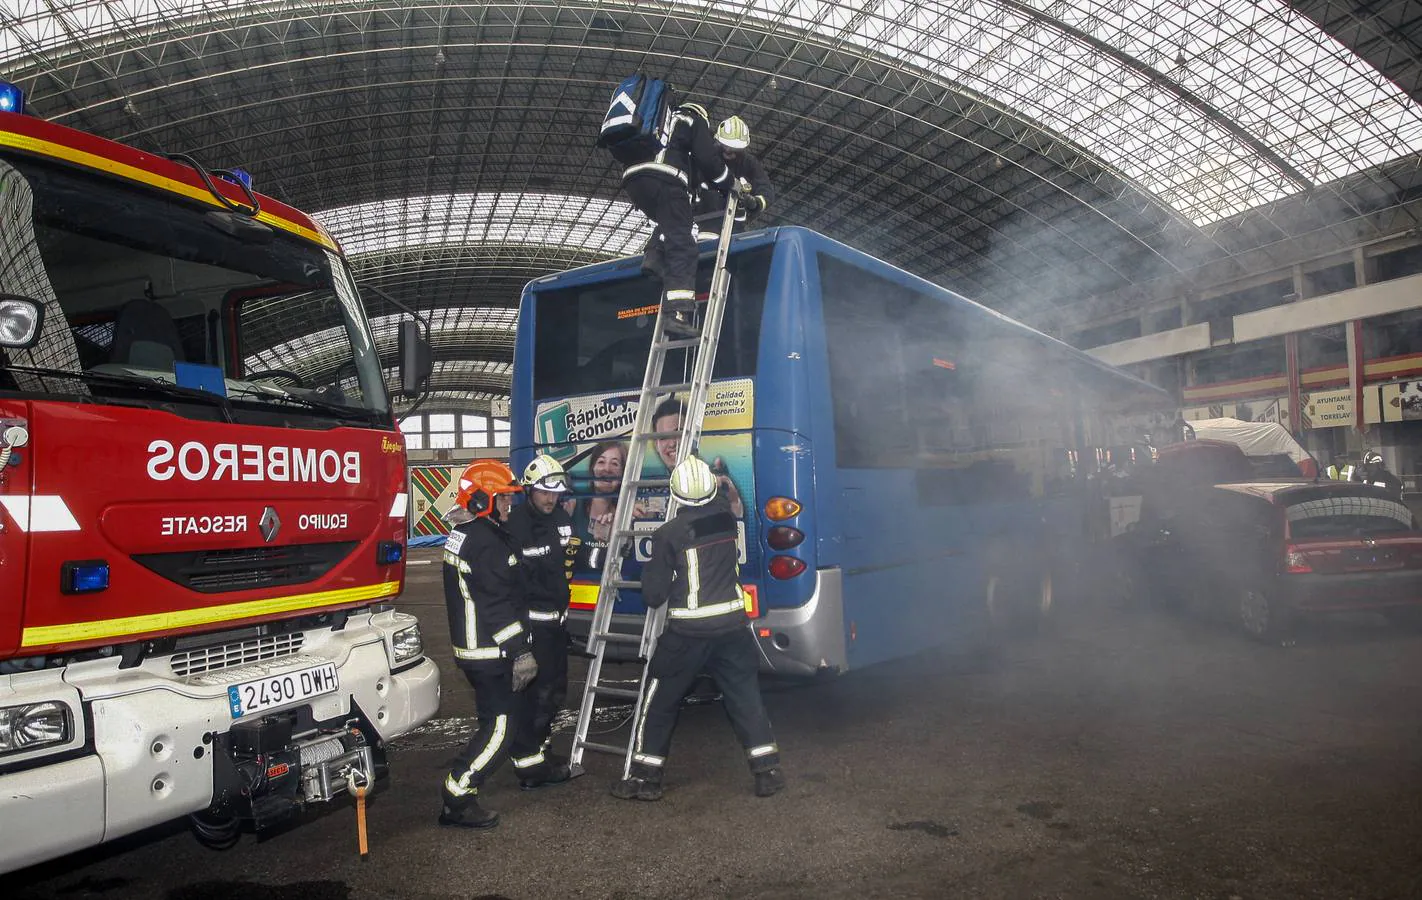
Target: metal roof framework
<point>1032,154</point>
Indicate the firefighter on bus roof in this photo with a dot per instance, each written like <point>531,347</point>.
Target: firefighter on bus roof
<point>543,532</point>
<point>484,592</point>
<point>661,187</point>
<point>694,572</point>
<point>733,135</point>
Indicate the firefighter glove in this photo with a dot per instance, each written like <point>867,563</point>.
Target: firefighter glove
<point>743,187</point>
<point>525,669</point>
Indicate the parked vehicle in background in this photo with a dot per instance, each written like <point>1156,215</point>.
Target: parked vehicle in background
<point>1268,445</point>
<point>1261,554</point>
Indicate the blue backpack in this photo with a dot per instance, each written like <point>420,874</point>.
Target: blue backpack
<point>636,120</point>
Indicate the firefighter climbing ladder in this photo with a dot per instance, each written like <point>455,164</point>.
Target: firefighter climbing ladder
<point>702,350</point>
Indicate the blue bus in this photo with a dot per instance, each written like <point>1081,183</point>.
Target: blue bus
<point>900,457</point>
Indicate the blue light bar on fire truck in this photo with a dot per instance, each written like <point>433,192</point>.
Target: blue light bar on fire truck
<point>236,176</point>
<point>12,99</point>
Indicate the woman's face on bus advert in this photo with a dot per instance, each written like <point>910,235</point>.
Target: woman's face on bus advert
<point>607,469</point>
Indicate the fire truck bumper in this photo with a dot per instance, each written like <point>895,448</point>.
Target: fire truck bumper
<point>143,739</point>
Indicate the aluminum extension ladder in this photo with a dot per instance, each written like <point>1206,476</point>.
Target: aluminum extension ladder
<point>600,635</point>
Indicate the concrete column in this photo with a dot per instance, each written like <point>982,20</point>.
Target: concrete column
<point>1354,333</point>
<point>1292,368</point>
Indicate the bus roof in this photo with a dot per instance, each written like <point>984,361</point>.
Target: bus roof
<point>1132,392</point>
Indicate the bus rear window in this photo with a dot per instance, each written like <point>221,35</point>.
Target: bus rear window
<point>596,338</point>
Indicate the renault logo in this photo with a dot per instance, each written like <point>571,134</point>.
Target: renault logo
<point>270,524</point>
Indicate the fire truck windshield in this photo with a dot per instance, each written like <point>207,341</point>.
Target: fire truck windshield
<point>145,298</point>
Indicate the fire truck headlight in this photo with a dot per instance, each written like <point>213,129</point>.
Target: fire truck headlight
<point>406,644</point>
<point>34,725</point>
<point>20,320</point>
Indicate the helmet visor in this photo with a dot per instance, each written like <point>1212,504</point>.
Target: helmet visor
<point>555,483</point>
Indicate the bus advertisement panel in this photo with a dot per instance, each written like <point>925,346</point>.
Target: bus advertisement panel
<point>588,435</point>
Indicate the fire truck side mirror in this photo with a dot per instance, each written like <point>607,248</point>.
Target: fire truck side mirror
<point>20,321</point>
<point>416,359</point>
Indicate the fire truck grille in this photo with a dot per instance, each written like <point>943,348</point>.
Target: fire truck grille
<point>218,571</point>
<point>241,653</point>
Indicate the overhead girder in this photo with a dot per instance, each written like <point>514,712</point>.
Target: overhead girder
<point>294,94</point>
<point>451,401</point>
<point>342,103</point>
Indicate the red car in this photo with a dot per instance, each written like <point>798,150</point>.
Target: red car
<point>1263,553</point>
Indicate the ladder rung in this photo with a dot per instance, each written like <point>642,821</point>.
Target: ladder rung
<point>626,693</point>
<point>617,637</point>
<point>671,388</point>
<point>651,482</point>
<point>657,436</point>
<point>619,584</point>
<point>677,344</point>
<point>603,748</point>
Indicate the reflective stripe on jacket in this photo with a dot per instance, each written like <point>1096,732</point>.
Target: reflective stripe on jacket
<point>689,154</point>
<point>695,572</point>
<point>549,553</point>
<point>483,592</point>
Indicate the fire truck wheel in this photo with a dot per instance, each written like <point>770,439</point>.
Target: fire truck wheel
<point>216,832</point>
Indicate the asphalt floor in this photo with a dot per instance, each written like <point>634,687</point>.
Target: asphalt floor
<point>1119,752</point>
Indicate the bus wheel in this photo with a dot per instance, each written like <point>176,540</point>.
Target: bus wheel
<point>1018,602</point>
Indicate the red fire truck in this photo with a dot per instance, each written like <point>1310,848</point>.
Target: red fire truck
<point>202,504</point>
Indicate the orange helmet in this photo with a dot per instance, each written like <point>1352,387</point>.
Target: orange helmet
<point>480,482</point>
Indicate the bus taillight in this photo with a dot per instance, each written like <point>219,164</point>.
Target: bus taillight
<point>785,567</point>
<point>783,537</point>
<point>778,509</point>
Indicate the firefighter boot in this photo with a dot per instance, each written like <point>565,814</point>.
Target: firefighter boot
<point>465,812</point>
<point>769,782</point>
<point>545,774</point>
<point>677,318</point>
<point>645,783</point>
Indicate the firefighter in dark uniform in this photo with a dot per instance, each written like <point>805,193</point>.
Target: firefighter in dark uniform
<point>757,193</point>
<point>483,591</point>
<point>661,187</point>
<point>1373,471</point>
<point>693,570</point>
<point>543,533</point>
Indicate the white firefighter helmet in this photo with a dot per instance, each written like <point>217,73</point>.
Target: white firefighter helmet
<point>1372,458</point>
<point>692,482</point>
<point>545,474</point>
<point>734,133</point>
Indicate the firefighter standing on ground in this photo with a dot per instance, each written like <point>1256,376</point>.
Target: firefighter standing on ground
<point>661,187</point>
<point>484,594</point>
<point>693,571</point>
<point>1372,471</point>
<point>733,136</point>
<point>543,533</point>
